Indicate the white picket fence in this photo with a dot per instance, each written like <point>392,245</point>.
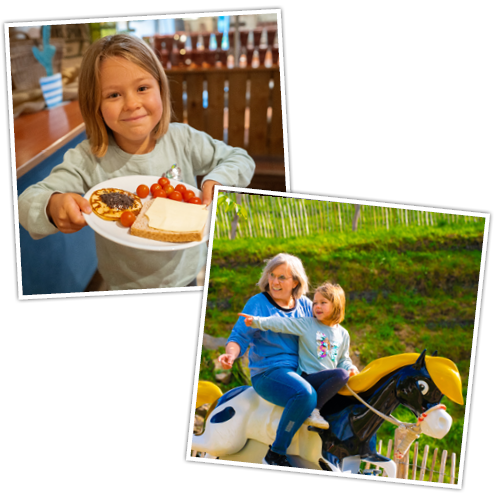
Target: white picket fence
<point>435,470</point>
<point>283,217</point>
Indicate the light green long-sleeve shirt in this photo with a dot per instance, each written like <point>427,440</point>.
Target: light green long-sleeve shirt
<point>195,152</point>
<point>321,347</point>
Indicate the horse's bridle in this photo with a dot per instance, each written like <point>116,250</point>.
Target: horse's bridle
<point>408,431</point>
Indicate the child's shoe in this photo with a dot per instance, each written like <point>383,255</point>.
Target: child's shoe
<point>316,420</point>
<point>273,458</point>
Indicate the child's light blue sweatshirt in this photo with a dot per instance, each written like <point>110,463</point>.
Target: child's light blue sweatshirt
<point>123,268</point>
<point>321,347</point>
<point>269,349</point>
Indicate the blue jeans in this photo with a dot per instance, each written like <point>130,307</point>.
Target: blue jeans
<point>284,387</point>
<point>327,383</point>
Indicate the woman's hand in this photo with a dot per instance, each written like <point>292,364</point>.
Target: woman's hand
<point>207,191</point>
<point>232,352</point>
<point>248,318</point>
<point>65,211</point>
<point>227,360</point>
<point>353,371</point>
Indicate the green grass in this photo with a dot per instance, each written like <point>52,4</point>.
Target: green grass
<point>407,289</point>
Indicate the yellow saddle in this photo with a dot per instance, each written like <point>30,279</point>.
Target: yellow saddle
<point>208,392</point>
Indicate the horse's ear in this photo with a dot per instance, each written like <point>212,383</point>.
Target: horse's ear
<point>434,354</point>
<point>419,364</point>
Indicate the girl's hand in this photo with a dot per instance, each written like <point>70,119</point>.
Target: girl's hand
<point>65,211</point>
<point>227,360</point>
<point>353,371</point>
<point>207,191</point>
<point>248,318</point>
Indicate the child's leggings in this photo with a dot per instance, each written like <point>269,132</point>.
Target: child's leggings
<point>327,383</point>
<point>285,387</point>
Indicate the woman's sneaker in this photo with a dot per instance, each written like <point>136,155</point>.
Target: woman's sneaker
<point>316,420</point>
<point>273,458</point>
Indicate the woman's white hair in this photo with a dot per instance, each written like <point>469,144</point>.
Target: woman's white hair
<point>294,265</point>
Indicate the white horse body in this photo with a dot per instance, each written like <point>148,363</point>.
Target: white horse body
<point>254,419</point>
<point>250,424</point>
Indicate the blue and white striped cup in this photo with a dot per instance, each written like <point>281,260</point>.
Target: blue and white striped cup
<point>52,89</point>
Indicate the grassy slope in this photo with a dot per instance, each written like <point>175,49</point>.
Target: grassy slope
<point>407,290</point>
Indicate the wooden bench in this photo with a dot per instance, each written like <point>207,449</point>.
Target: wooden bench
<point>240,106</point>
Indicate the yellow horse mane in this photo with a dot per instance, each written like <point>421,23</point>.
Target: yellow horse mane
<point>443,372</point>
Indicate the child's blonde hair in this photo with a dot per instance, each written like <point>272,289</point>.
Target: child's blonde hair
<point>133,50</point>
<point>334,293</point>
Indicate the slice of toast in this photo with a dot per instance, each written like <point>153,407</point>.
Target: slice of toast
<point>142,229</point>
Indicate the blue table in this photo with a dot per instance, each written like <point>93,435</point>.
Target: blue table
<point>60,263</point>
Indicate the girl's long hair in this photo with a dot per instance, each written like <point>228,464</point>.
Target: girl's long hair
<point>335,294</point>
<point>134,50</point>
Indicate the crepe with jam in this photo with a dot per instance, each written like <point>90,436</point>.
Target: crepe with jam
<point>110,203</point>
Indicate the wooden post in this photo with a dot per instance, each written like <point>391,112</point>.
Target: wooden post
<point>356,218</point>
<point>424,463</point>
<point>415,457</point>
<point>452,471</point>
<point>234,223</point>
<point>434,457</point>
<point>444,456</point>
<point>389,451</point>
<point>401,464</point>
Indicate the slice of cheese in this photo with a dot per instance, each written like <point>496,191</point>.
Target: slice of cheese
<point>176,216</point>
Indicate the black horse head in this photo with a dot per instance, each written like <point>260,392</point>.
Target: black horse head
<point>415,388</point>
<point>353,426</point>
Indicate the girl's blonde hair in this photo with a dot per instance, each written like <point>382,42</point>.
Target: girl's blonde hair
<point>296,269</point>
<point>335,294</point>
<point>133,50</point>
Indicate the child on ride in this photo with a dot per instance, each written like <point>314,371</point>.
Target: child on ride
<point>125,103</point>
<point>323,344</point>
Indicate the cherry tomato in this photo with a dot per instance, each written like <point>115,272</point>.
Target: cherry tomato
<point>194,200</point>
<point>169,189</point>
<point>142,191</point>
<point>163,181</point>
<point>154,187</point>
<point>175,195</point>
<point>187,195</point>
<point>181,188</point>
<point>127,218</point>
<point>159,193</point>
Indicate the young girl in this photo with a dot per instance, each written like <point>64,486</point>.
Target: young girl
<point>323,344</point>
<point>125,103</point>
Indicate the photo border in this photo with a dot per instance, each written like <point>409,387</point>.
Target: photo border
<point>7,25</point>
<point>467,403</point>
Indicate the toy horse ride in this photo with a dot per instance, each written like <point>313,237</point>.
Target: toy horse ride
<point>240,425</point>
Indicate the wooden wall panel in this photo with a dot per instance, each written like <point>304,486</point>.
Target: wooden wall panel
<point>276,129</point>
<point>175,85</point>
<point>259,102</point>
<point>214,125</point>
<point>195,111</point>
<point>265,138</point>
<point>237,104</point>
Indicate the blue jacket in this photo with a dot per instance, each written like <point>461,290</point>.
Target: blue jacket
<point>269,349</point>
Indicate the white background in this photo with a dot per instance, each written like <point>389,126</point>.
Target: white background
<point>392,101</point>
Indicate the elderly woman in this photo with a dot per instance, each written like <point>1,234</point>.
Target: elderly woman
<point>273,357</point>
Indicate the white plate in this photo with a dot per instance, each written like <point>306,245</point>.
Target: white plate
<point>114,231</point>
